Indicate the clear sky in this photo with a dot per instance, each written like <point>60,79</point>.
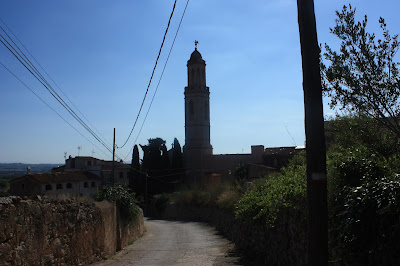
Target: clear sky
<point>101,53</point>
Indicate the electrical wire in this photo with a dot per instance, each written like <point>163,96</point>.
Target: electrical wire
<point>24,60</point>
<point>41,99</point>
<point>47,75</point>
<point>151,77</point>
<point>33,70</point>
<point>159,81</point>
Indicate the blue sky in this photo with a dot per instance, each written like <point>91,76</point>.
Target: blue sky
<point>101,54</point>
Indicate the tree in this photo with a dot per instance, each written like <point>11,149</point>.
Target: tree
<point>363,76</point>
<point>134,173</point>
<point>177,157</point>
<point>152,154</point>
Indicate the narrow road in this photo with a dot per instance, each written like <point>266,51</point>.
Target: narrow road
<point>176,243</point>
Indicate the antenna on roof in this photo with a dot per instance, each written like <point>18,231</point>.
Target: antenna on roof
<point>79,149</point>
<point>65,155</point>
<point>294,142</point>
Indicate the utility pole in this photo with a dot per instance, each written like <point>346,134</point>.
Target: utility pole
<point>113,166</point>
<point>317,235</point>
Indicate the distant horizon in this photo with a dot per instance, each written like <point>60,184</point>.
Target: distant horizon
<point>30,163</point>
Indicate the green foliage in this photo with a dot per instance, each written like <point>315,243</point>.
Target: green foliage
<point>124,199</point>
<point>364,200</point>
<point>353,130</point>
<point>222,196</point>
<point>274,195</point>
<point>160,202</point>
<point>366,221</point>
<point>363,76</point>
<point>241,172</point>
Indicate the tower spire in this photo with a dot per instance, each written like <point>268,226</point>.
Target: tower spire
<point>195,44</point>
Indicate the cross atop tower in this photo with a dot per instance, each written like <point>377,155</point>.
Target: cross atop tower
<point>195,44</point>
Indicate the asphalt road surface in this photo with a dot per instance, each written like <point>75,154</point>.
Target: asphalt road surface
<point>176,243</point>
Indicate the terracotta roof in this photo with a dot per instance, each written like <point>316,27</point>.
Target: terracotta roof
<point>61,177</point>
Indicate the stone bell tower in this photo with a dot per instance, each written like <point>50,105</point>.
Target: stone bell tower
<point>197,150</point>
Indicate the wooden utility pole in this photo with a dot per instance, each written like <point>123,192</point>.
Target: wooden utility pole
<point>317,236</point>
<point>113,166</point>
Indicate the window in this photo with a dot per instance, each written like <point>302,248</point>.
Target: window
<point>121,174</point>
<point>59,186</point>
<point>85,184</point>
<point>93,184</point>
<point>69,185</point>
<point>48,187</point>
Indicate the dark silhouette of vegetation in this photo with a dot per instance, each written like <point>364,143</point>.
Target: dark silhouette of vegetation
<point>161,170</point>
<point>152,154</point>
<point>363,76</point>
<point>125,200</point>
<point>134,173</point>
<point>177,156</point>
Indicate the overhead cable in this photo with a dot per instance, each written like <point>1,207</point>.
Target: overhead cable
<point>41,99</point>
<point>158,84</point>
<point>151,77</point>
<point>47,75</point>
<point>24,60</point>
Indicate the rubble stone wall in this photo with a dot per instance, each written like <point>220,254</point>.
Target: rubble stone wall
<point>44,232</point>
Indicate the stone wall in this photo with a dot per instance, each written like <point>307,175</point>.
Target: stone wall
<point>281,245</point>
<point>44,232</point>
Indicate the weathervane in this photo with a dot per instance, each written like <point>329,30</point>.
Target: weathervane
<point>195,44</point>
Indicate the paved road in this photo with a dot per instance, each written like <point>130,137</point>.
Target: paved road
<point>176,243</point>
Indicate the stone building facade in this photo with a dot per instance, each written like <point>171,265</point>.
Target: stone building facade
<point>100,168</point>
<point>71,183</point>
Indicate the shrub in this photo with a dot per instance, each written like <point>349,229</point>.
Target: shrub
<point>364,202</point>
<point>125,200</point>
<point>274,195</point>
<point>366,224</point>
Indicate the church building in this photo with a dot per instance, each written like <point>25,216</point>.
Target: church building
<point>197,150</point>
<point>200,162</point>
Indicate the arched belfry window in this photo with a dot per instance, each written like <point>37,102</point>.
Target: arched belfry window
<point>191,79</point>
<point>191,108</point>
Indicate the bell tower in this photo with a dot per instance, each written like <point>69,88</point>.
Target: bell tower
<point>197,149</point>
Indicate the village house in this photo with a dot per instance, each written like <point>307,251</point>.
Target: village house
<point>100,168</point>
<point>80,176</point>
<point>68,183</point>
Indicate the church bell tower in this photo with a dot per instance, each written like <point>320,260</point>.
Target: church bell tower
<point>197,149</point>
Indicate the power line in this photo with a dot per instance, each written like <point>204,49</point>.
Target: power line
<point>24,60</point>
<point>54,94</point>
<point>152,74</point>
<point>26,86</point>
<point>159,81</point>
<point>46,74</point>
